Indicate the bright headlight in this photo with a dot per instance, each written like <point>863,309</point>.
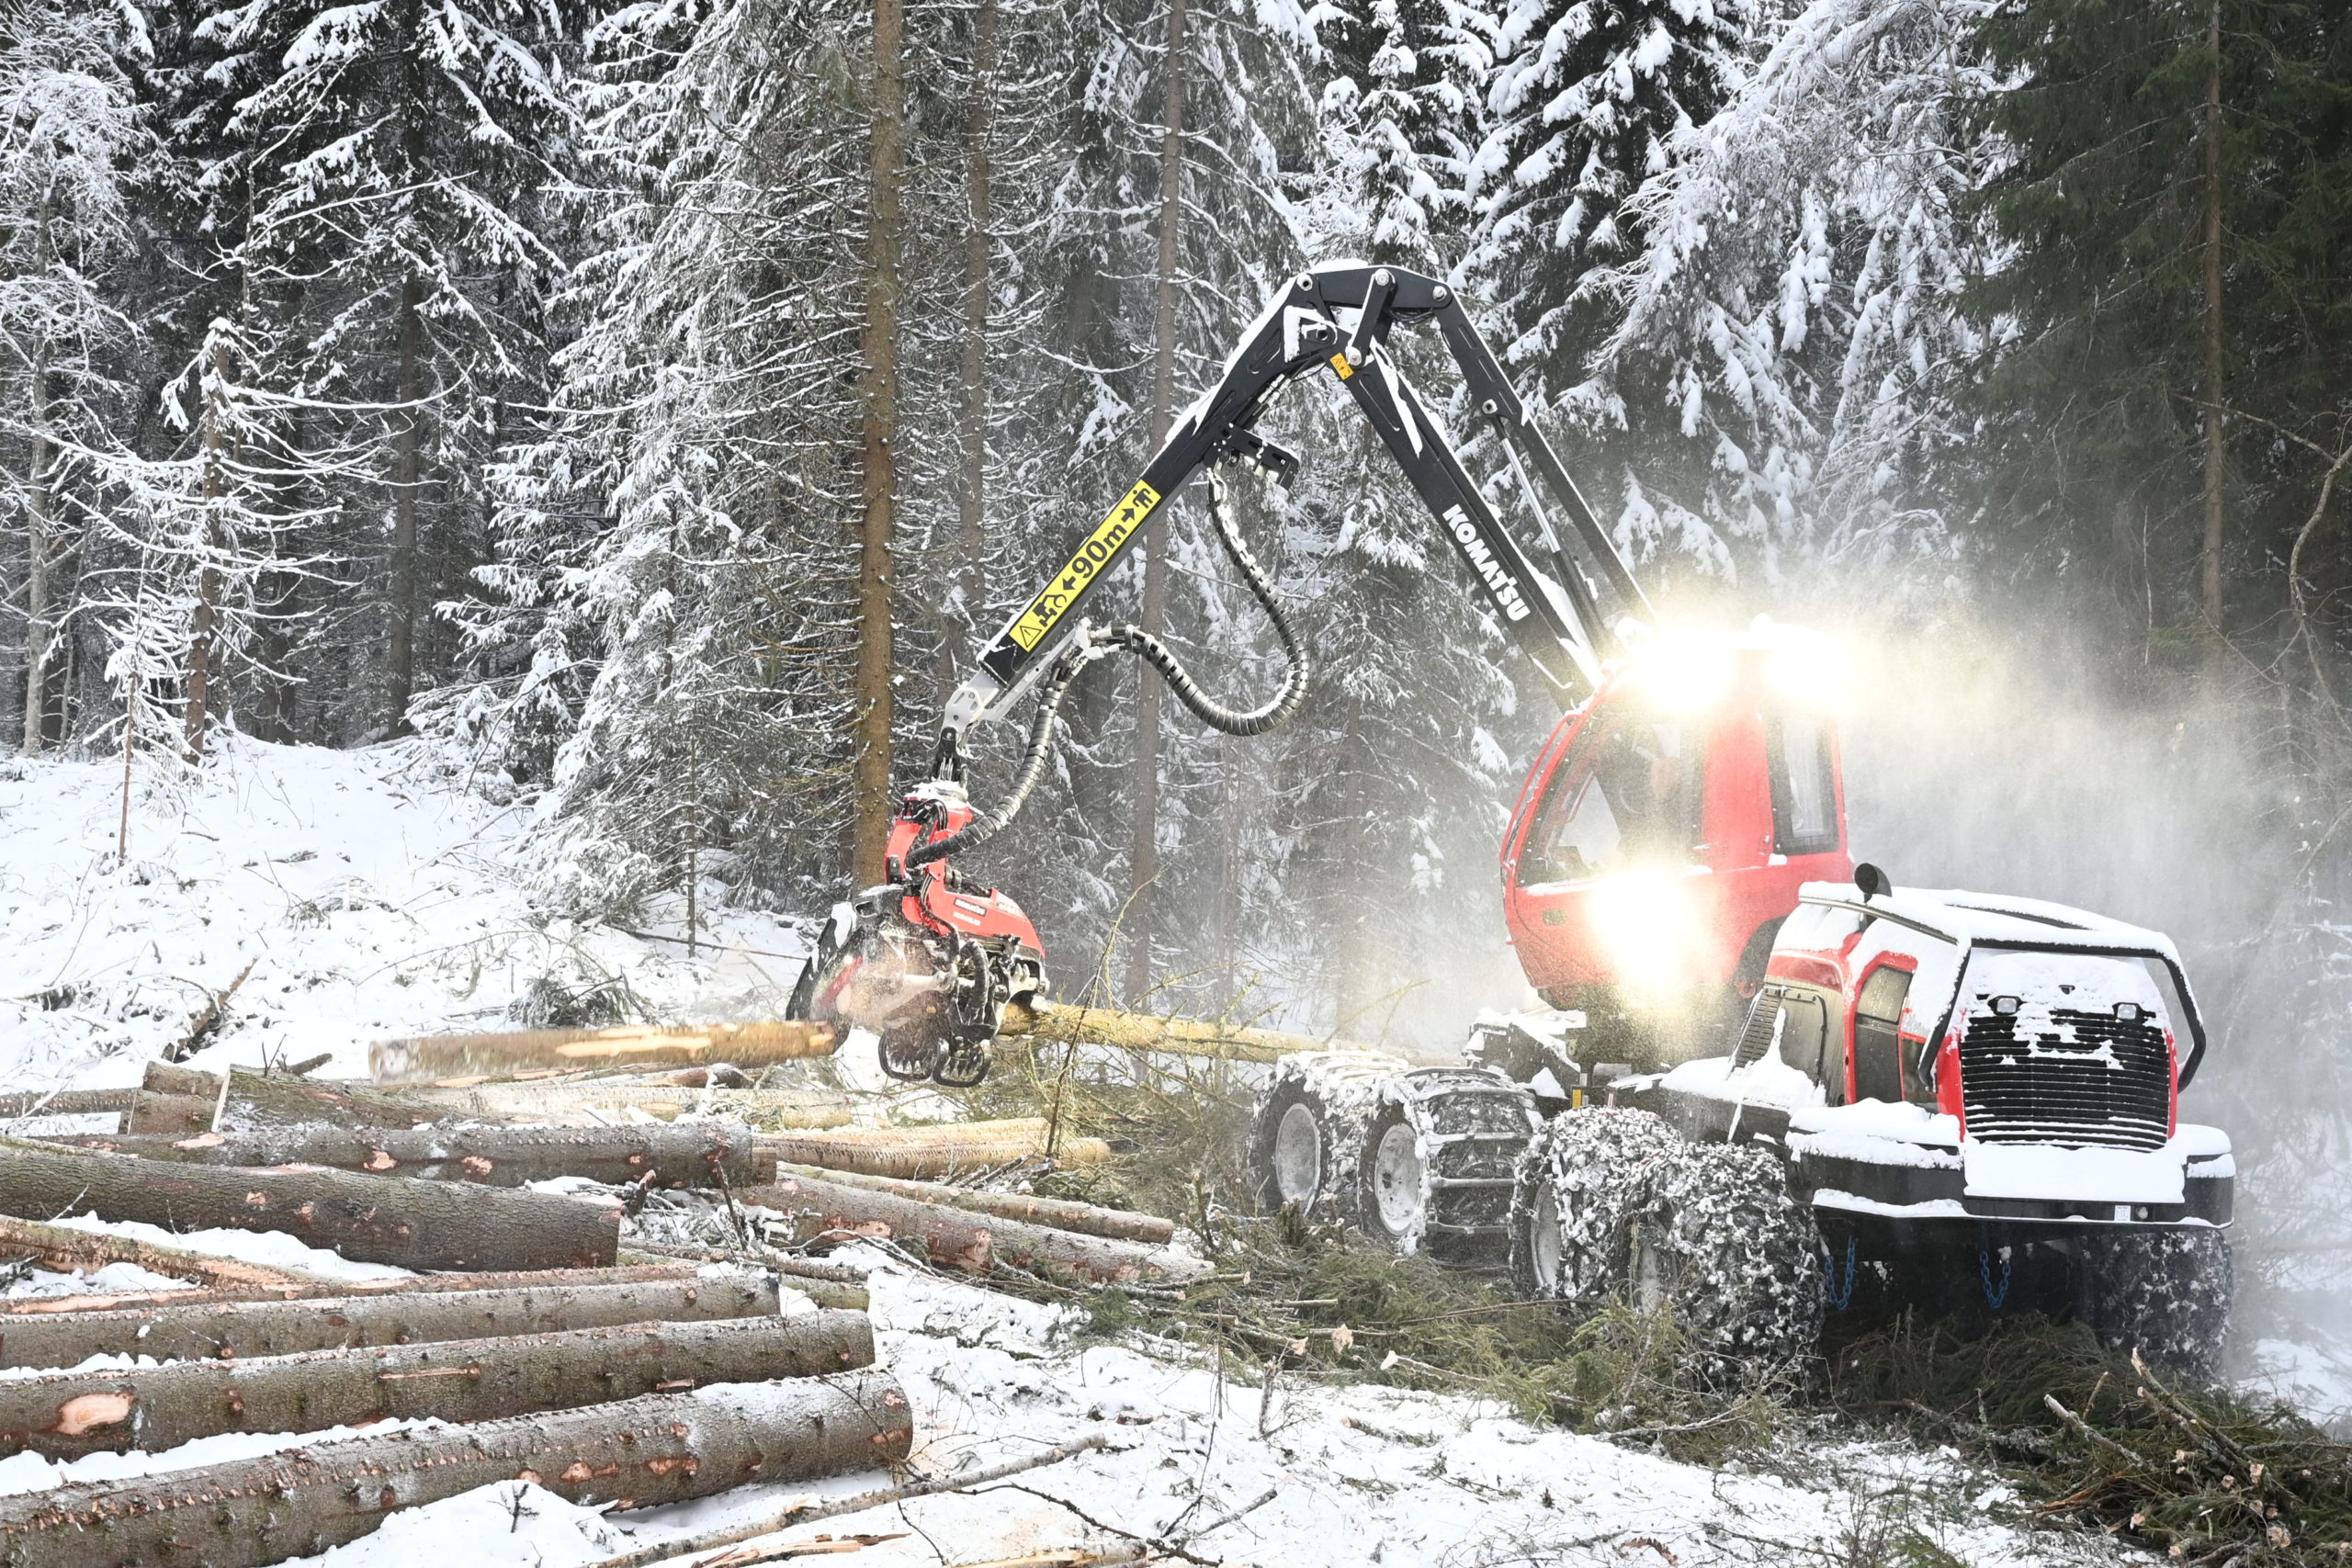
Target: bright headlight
<point>1684,671</point>
<point>1644,922</point>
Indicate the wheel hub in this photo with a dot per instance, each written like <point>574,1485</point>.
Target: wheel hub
<point>1399,1180</point>
<point>1298,1156</point>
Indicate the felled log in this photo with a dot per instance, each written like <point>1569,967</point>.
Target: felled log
<point>693,1154</point>
<point>663,1448</point>
<point>215,1329</point>
<point>1143,1032</point>
<point>958,1238</point>
<point>67,1414</point>
<point>578,1101</point>
<point>255,1100</point>
<point>71,1251</point>
<point>1086,1219</point>
<point>170,1115</point>
<point>304,1288</point>
<point>914,1153</point>
<point>426,1057</point>
<point>68,1102</point>
<point>373,1218</point>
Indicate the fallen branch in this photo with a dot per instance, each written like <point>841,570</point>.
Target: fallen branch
<point>1083,1218</point>
<point>664,1448</point>
<point>202,1028</point>
<point>809,1513</point>
<point>216,1330</point>
<point>67,1414</point>
<point>428,1057</point>
<point>413,1224</point>
<point>693,1154</point>
<point>958,1238</point>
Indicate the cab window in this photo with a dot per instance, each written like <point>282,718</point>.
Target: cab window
<point>1805,784</point>
<point>1878,1036</point>
<point>1626,794</point>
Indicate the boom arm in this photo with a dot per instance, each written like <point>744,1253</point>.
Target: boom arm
<point>1552,613</point>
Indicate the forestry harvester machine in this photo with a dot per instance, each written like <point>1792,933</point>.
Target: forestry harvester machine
<point>1764,1082</point>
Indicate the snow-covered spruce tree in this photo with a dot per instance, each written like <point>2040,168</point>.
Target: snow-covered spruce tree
<point>669,619</point>
<point>1584,102</point>
<point>1402,114</point>
<point>1792,335</point>
<point>392,161</point>
<point>71,137</point>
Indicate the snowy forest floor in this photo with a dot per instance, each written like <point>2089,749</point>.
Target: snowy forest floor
<point>373,897</point>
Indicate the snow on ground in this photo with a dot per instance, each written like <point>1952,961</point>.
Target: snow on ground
<point>372,897</point>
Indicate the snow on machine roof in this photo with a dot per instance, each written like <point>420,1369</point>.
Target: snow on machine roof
<point>1970,918</point>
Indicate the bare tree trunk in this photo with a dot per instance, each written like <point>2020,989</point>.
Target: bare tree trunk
<point>971,494</point>
<point>400,659</point>
<point>685,1154</point>
<point>413,1224</point>
<point>204,628</point>
<point>37,519</point>
<point>67,1414</point>
<point>663,1448</point>
<point>1144,856</point>
<point>243,1330</point>
<point>872,805</point>
<point>309,1287</point>
<point>2214,520</point>
<point>916,1154</point>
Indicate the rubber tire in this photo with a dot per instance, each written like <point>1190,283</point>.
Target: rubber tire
<point>2164,1295</point>
<point>1339,1093</point>
<point>1740,1261</point>
<point>1600,1170</point>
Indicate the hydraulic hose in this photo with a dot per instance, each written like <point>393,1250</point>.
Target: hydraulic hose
<point>1160,657</point>
<point>986,825</point>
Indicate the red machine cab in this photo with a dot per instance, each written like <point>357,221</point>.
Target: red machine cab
<point>1667,826</point>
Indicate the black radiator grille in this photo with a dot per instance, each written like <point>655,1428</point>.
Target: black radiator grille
<point>2109,1085</point>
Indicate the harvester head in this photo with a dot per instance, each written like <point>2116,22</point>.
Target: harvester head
<point>928,959</point>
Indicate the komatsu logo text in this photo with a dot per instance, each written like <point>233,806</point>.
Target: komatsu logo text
<point>1499,581</point>
<point>1101,547</point>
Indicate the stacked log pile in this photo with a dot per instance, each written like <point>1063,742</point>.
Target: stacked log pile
<point>561,1345</point>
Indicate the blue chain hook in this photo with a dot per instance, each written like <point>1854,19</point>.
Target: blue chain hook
<point>1993,1296</point>
<point>1837,1297</point>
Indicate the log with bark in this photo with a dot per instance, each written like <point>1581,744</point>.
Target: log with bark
<point>663,1448</point>
<point>253,1101</point>
<point>169,1115</point>
<point>692,1154</point>
<point>303,1287</point>
<point>1173,1036</point>
<point>70,1250</point>
<point>958,1238</point>
<point>215,1329</point>
<point>66,1415</point>
<point>1086,1219</point>
<point>428,1058</point>
<point>591,1102</point>
<point>68,1102</point>
<point>373,1218</point>
<point>915,1153</point>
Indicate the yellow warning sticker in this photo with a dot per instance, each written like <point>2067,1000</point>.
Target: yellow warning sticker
<point>1340,363</point>
<point>1101,547</point>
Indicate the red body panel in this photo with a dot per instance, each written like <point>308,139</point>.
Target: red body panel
<point>1733,881</point>
<point>944,903</point>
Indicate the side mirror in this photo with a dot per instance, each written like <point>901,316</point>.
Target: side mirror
<point>1871,881</point>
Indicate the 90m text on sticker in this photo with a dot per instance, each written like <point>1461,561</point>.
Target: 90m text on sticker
<point>1097,552</point>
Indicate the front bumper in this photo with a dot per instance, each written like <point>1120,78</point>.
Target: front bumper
<point>1895,1179</point>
